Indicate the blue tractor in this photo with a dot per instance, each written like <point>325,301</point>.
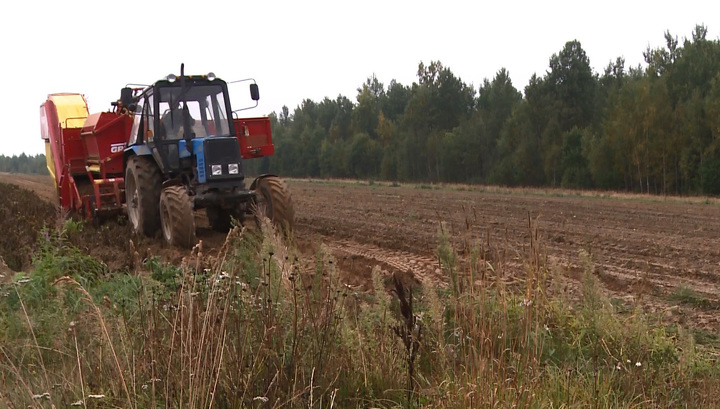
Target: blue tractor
<point>184,153</point>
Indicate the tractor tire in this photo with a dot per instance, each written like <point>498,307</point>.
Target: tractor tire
<point>142,194</point>
<point>275,200</point>
<point>177,217</point>
<point>221,219</point>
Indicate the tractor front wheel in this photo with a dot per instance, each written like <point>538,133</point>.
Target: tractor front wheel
<point>177,217</point>
<point>275,202</point>
<point>142,194</point>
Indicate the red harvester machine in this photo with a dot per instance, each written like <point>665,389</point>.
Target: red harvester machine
<point>84,154</point>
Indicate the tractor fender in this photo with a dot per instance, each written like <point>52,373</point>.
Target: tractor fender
<point>259,178</point>
<point>139,150</point>
<point>135,150</point>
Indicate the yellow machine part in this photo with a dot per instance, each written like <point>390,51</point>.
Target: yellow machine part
<point>72,109</point>
<point>50,162</point>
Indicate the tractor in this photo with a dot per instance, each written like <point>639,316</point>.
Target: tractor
<point>162,152</point>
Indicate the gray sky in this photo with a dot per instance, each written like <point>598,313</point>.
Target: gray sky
<point>305,49</point>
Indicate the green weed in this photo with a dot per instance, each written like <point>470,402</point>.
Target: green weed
<point>262,325</point>
<point>688,296</point>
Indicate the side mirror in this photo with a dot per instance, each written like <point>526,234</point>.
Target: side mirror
<point>126,97</point>
<point>254,92</point>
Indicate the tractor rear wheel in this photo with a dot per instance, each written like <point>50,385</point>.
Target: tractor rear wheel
<point>177,217</point>
<point>142,194</point>
<point>275,202</point>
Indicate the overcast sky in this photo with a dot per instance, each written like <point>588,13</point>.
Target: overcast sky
<point>305,49</point>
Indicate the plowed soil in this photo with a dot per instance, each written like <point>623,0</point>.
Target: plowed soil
<point>644,250</point>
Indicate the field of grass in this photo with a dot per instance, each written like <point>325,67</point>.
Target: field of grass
<point>263,325</point>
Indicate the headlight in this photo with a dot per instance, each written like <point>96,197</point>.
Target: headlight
<point>233,169</point>
<point>216,170</point>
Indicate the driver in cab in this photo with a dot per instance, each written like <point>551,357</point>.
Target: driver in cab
<point>171,122</point>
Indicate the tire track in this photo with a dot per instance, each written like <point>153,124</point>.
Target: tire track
<point>424,268</point>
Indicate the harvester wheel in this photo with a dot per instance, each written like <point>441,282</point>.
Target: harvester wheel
<point>177,217</point>
<point>275,200</point>
<point>221,219</point>
<point>142,194</point>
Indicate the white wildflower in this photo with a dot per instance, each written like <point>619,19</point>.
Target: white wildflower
<point>638,364</point>
<point>96,396</point>
<point>42,396</point>
<point>78,403</point>
<point>260,398</point>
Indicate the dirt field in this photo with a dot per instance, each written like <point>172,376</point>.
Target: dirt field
<point>644,248</point>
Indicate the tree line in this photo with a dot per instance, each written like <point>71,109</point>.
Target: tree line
<point>652,129</point>
<point>23,164</point>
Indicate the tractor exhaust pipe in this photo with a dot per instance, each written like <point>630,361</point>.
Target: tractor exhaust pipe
<point>187,128</point>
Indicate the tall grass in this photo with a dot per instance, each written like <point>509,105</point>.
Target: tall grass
<point>262,325</point>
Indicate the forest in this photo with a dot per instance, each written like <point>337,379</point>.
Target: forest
<point>32,164</point>
<point>652,128</point>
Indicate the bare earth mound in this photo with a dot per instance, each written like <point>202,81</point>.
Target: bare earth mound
<point>22,215</point>
<point>29,202</point>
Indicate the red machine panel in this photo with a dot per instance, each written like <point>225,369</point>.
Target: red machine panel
<point>255,137</point>
<point>105,136</point>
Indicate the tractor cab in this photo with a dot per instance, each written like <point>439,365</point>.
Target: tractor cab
<point>186,124</point>
<point>204,106</point>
